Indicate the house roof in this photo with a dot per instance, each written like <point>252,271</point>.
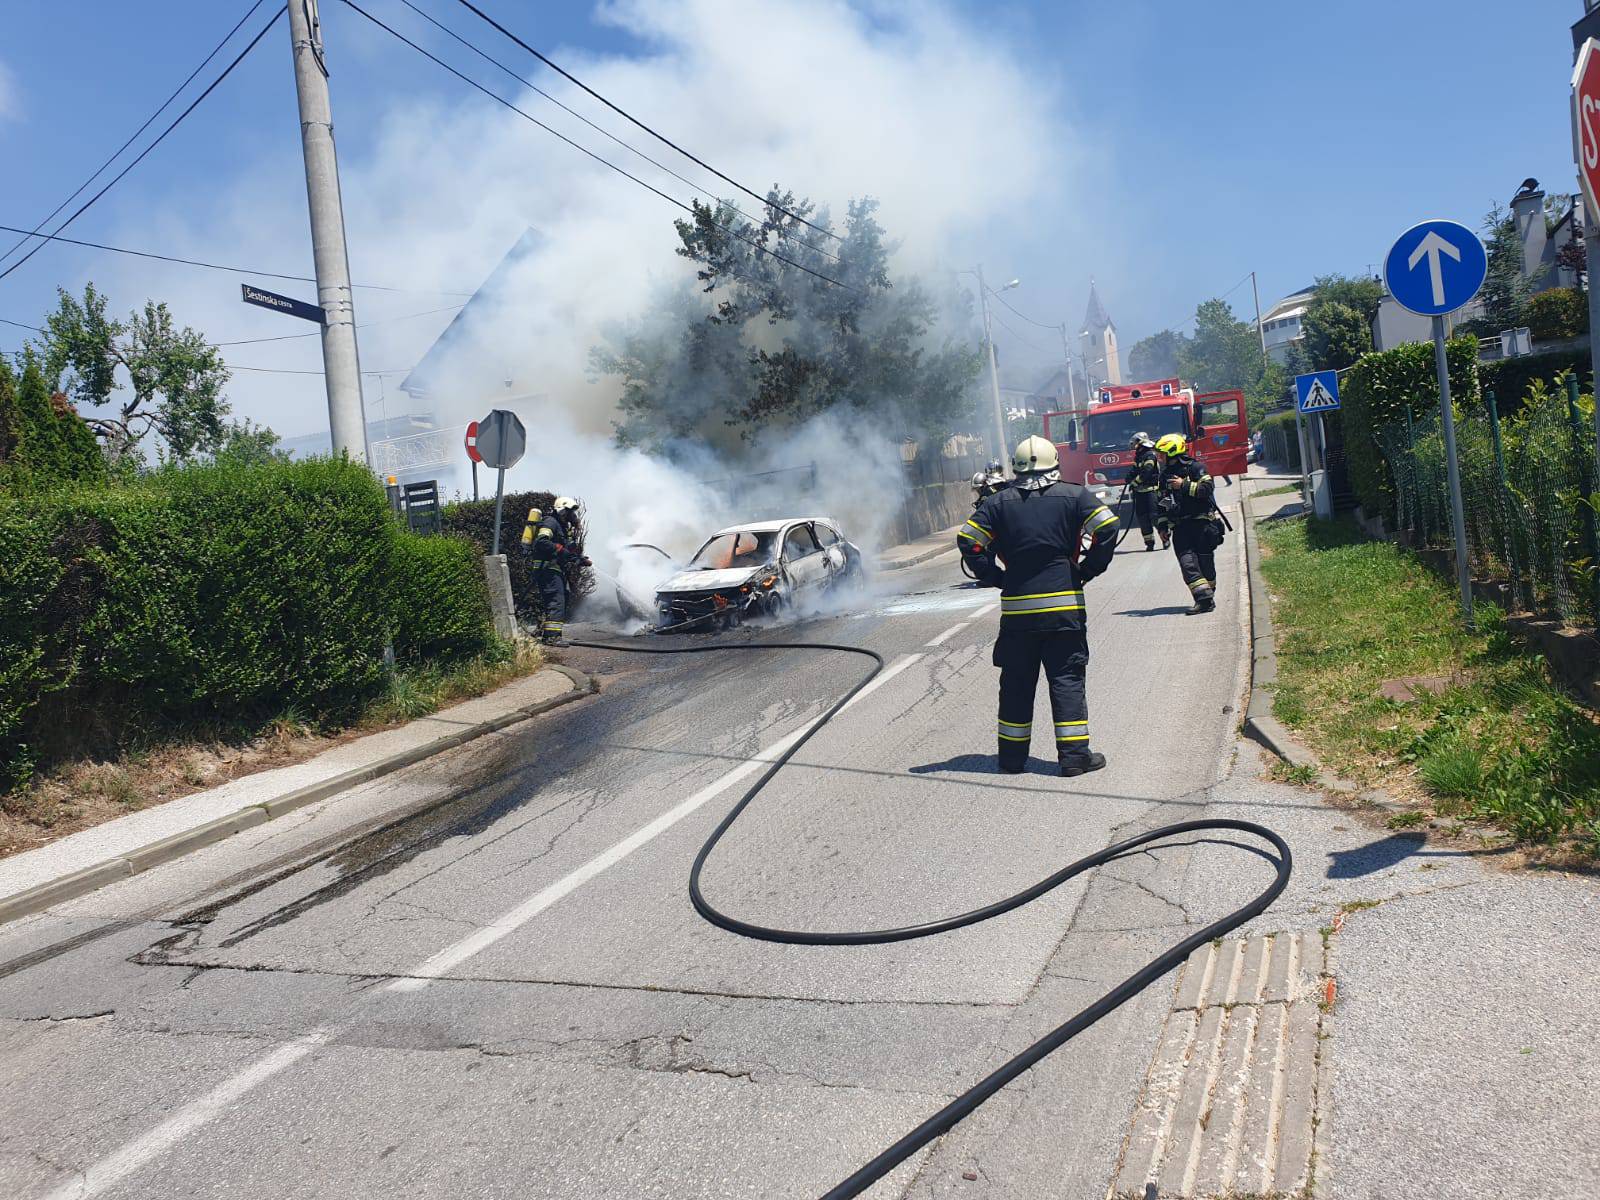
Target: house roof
<point>491,292</point>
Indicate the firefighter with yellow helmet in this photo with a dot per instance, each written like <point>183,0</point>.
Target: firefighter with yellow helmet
<point>1030,540</point>
<point>1190,504</point>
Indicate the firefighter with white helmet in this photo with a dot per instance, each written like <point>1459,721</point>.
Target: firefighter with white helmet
<point>552,542</point>
<point>1144,482</point>
<point>1037,529</point>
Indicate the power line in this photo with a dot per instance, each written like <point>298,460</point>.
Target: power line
<point>1024,316</point>
<point>635,120</point>
<point>1196,313</point>
<point>600,129</point>
<point>673,200</point>
<point>85,206</point>
<point>290,371</point>
<point>1017,335</point>
<point>20,325</point>
<point>289,337</point>
<point>211,266</point>
<point>134,136</point>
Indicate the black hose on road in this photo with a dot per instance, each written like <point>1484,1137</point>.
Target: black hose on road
<point>965,1104</point>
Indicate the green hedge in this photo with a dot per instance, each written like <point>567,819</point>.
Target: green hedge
<point>219,593</point>
<point>1556,314</point>
<point>1510,378</point>
<point>1379,390</point>
<point>1281,441</point>
<point>474,521</point>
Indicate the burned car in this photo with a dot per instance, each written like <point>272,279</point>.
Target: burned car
<point>758,570</point>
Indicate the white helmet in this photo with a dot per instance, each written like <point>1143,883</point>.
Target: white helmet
<point>1035,463</point>
<point>565,504</point>
<point>980,479</point>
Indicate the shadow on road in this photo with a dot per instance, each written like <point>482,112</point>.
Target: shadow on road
<point>1169,610</point>
<point>1385,853</point>
<point>985,764</point>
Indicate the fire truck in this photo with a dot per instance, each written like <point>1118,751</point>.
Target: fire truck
<point>1093,441</point>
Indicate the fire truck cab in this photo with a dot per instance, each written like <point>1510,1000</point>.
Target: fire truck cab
<point>1093,441</point>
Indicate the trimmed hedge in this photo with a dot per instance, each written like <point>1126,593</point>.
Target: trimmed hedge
<point>1557,314</point>
<point>1510,378</point>
<point>1378,391</point>
<point>474,521</point>
<point>212,594</point>
<point>1280,440</point>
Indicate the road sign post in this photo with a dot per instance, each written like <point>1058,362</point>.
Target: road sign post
<point>1433,269</point>
<point>471,442</point>
<point>500,441</point>
<point>1315,393</point>
<point>1586,153</point>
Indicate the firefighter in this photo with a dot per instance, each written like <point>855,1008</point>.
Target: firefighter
<point>544,540</point>
<point>1036,529</point>
<point>1144,481</point>
<point>1190,499</point>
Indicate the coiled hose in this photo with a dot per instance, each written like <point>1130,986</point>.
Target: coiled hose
<point>965,1104</point>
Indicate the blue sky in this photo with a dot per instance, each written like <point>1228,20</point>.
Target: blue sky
<point>1167,149</point>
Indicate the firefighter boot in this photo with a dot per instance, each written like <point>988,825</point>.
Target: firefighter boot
<point>1166,538</point>
<point>1149,543</point>
<point>1204,602</point>
<point>1081,764</point>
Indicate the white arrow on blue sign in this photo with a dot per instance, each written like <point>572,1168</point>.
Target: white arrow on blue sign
<point>1317,392</point>
<point>1434,268</point>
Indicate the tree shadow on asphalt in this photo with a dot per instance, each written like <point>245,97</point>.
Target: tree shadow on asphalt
<point>1383,854</point>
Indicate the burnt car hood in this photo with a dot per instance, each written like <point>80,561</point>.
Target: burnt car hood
<point>710,581</point>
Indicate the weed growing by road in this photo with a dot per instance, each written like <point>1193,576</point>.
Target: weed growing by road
<point>1496,740</point>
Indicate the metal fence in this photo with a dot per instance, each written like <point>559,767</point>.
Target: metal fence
<point>1528,493</point>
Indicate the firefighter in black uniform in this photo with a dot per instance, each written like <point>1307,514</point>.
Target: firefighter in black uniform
<point>1144,481</point>
<point>1190,500</point>
<point>1036,528</point>
<point>547,540</point>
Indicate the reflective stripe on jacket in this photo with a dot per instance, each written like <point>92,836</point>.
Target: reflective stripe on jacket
<point>1037,534</point>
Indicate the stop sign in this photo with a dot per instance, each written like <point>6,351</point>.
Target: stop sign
<point>1586,124</point>
<point>472,442</point>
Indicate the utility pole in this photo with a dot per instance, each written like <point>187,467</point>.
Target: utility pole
<point>1066,349</point>
<point>1260,331</point>
<point>341,364</point>
<point>1001,451</point>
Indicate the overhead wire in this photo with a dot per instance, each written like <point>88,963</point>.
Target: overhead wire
<point>598,128</point>
<point>1024,316</point>
<point>140,157</point>
<point>148,121</point>
<point>567,75</point>
<point>211,266</point>
<point>582,149</point>
<point>289,337</point>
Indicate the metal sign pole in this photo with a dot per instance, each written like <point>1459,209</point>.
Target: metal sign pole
<point>499,500</point>
<point>474,480</point>
<point>1447,422</point>
<point>1305,459</point>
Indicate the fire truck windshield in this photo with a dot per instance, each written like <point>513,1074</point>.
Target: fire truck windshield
<point>1114,430</point>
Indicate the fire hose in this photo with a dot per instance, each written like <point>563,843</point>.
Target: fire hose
<point>968,1101</point>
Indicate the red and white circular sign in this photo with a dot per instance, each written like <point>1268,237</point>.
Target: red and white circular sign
<point>472,442</point>
<point>1586,123</point>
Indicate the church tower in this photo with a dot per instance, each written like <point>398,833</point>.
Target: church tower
<point>1098,344</point>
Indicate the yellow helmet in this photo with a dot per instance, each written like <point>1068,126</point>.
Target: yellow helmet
<point>534,516</point>
<point>1034,454</point>
<point>1172,443</point>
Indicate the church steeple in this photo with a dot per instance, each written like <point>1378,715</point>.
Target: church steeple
<point>1098,343</point>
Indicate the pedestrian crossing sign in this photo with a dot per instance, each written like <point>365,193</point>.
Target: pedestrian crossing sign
<point>1317,392</point>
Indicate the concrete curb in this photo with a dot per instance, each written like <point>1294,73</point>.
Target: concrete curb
<point>922,556</point>
<point>92,878</point>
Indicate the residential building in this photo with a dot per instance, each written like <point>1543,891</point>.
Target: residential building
<point>1280,324</point>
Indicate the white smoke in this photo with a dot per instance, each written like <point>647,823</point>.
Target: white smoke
<point>932,115</point>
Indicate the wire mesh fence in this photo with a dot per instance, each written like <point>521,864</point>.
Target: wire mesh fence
<point>1528,496</point>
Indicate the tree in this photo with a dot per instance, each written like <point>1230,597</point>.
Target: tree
<point>249,444</point>
<point>1505,289</point>
<point>1225,353</point>
<point>174,376</point>
<point>1338,322</point>
<point>1159,356</point>
<point>43,441</point>
<point>770,342</point>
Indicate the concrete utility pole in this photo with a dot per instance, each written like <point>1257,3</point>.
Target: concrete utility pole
<point>341,364</point>
<point>1066,350</point>
<point>1260,332</point>
<point>1002,451</point>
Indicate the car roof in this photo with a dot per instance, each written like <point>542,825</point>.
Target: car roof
<point>772,526</point>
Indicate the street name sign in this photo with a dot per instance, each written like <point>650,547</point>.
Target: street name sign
<point>1586,122</point>
<point>1317,392</point>
<point>284,304</point>
<point>1436,267</point>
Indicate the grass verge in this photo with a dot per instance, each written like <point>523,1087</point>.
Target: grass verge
<point>1487,735</point>
<point>82,794</point>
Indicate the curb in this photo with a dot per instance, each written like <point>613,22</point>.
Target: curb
<point>900,564</point>
<point>80,883</point>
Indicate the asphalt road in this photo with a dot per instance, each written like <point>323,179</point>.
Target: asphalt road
<point>483,976</point>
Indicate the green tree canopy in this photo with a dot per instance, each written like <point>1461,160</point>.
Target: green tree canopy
<point>1337,323</point>
<point>174,376</point>
<point>43,441</point>
<point>1225,353</point>
<point>1505,289</point>
<point>764,342</point>
<point>1159,356</point>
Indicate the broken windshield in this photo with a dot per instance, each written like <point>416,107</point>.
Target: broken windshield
<point>727,550</point>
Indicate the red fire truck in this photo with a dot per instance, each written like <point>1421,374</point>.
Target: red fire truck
<point>1093,441</point>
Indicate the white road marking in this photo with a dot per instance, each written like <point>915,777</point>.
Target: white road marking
<point>949,633</point>
<point>117,1166</point>
<point>986,609</point>
<point>132,1155</point>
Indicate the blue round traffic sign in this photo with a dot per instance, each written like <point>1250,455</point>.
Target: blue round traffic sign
<point>1435,267</point>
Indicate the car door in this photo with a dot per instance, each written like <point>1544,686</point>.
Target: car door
<point>802,558</point>
<point>833,557</point>
<point>1221,437</point>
